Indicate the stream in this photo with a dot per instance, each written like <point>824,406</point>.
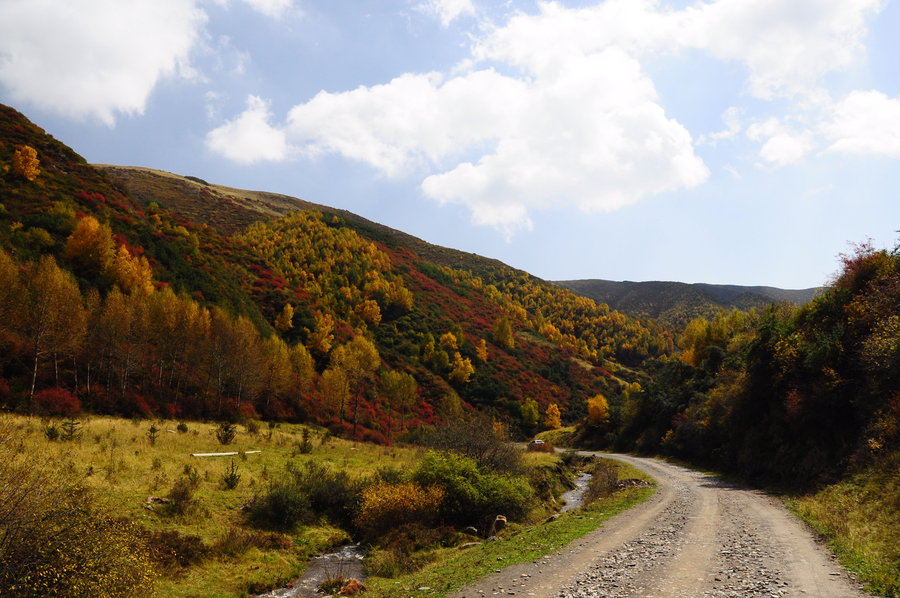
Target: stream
<point>346,562</point>
<point>572,498</point>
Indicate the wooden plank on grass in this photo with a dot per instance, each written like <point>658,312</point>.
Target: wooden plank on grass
<point>223,454</point>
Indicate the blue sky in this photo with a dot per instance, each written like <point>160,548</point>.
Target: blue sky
<point>725,141</point>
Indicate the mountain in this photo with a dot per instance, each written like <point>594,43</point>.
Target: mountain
<point>190,299</point>
<point>677,303</point>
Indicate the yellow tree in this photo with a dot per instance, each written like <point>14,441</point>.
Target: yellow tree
<point>285,320</point>
<point>503,333</point>
<point>400,390</point>
<point>598,411</point>
<point>481,351</point>
<point>461,369</point>
<point>90,248</point>
<point>551,417</point>
<point>132,272</point>
<point>53,321</point>
<point>25,162</point>
<point>336,390</point>
<point>358,359</point>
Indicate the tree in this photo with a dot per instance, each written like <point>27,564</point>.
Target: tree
<point>400,390</point>
<point>358,359</point>
<point>25,162</point>
<point>530,413</point>
<point>503,333</point>
<point>285,320</point>
<point>90,248</point>
<point>53,320</point>
<point>551,417</point>
<point>132,272</point>
<point>598,411</point>
<point>336,390</point>
<point>461,369</point>
<point>481,351</point>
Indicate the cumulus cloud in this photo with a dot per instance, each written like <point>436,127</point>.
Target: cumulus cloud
<point>94,58</point>
<point>447,10</point>
<point>865,123</point>
<point>556,109</point>
<point>249,138</point>
<point>782,145</point>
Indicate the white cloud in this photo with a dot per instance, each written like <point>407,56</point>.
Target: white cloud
<point>249,138</point>
<point>864,123</point>
<point>782,145</point>
<point>787,45</point>
<point>447,10</point>
<point>556,109</point>
<point>94,58</point>
<point>732,120</point>
<point>271,8</point>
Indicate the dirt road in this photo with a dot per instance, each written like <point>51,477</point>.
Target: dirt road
<point>696,537</point>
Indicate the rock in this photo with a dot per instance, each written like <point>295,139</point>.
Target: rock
<point>632,483</point>
<point>469,545</point>
<point>553,517</point>
<point>471,530</point>
<point>158,500</point>
<point>498,525</point>
<point>352,588</point>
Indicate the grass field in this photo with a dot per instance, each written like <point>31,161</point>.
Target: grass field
<point>116,458</point>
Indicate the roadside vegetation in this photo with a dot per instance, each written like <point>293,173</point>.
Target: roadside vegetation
<point>126,501</point>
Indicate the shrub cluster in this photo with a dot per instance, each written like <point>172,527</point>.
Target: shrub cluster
<point>57,540</point>
<point>472,495</point>
<point>306,493</point>
<point>386,507</point>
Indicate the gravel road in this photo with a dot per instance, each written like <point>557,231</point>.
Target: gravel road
<point>696,537</point>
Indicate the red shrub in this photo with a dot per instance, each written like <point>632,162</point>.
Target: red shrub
<point>57,401</point>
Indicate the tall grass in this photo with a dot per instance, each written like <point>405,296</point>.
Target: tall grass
<point>860,518</point>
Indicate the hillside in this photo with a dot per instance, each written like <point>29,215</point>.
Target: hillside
<point>196,300</point>
<point>677,303</point>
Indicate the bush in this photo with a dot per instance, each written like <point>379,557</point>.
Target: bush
<point>331,493</point>
<point>171,549</point>
<point>308,492</point>
<point>181,497</point>
<point>282,508</point>
<point>476,439</point>
<point>182,427</point>
<point>57,540</point>
<point>236,541</point>
<point>57,401</point>
<point>386,507</point>
<point>225,433</point>
<point>603,483</point>
<point>472,496</point>
<point>231,478</point>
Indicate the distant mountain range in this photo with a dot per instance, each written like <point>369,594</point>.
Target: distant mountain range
<point>676,303</point>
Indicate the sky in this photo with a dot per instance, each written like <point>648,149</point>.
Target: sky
<point>721,141</point>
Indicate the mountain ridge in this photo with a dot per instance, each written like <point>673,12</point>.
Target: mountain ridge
<point>676,303</point>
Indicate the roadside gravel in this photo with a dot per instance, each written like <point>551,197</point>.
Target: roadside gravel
<point>696,537</point>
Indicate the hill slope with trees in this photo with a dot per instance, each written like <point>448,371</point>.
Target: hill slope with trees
<point>136,292</point>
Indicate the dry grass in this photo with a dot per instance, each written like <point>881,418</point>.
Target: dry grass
<point>860,518</point>
<point>115,458</point>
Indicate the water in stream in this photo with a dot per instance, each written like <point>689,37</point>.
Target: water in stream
<point>572,498</point>
<point>346,562</point>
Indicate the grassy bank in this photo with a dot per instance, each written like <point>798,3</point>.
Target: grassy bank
<point>860,519</point>
<point>454,568</point>
<point>117,460</point>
